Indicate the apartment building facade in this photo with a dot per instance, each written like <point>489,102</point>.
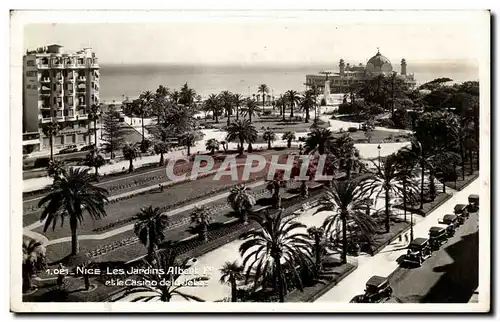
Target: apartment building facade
<point>58,87</point>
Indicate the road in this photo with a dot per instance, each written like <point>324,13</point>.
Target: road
<point>385,262</point>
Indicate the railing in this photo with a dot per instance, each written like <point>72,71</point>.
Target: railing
<point>43,66</point>
<point>82,79</point>
<point>46,119</point>
<point>45,80</point>
<point>54,65</point>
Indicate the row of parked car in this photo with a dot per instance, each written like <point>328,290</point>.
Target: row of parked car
<point>378,288</point>
<point>74,148</point>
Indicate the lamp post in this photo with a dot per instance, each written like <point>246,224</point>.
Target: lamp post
<point>378,148</point>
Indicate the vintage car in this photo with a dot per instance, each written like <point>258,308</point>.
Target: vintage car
<point>461,212</point>
<point>418,251</point>
<point>377,290</point>
<point>473,203</point>
<point>450,219</point>
<point>438,235</point>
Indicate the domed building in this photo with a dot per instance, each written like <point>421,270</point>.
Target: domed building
<point>347,75</point>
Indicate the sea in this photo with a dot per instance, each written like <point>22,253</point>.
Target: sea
<point>119,81</point>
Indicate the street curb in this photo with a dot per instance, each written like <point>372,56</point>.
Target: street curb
<point>390,240</point>
<point>332,284</point>
<point>472,179</point>
<point>438,205</point>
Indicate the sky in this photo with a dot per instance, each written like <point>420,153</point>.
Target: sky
<point>264,38</point>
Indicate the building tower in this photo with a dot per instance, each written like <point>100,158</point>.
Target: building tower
<point>342,67</point>
<point>403,67</point>
<point>59,87</point>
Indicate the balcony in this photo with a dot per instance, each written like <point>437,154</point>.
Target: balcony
<point>45,80</point>
<point>70,64</point>
<point>60,118</point>
<point>46,119</point>
<point>81,79</point>
<point>56,65</point>
<point>70,118</point>
<point>82,116</point>
<point>43,66</point>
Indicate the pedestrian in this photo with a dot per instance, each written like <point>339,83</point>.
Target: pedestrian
<point>161,187</point>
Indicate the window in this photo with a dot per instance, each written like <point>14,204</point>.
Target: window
<point>30,73</point>
<point>28,86</point>
<point>30,63</point>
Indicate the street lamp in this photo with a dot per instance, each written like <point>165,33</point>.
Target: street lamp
<point>378,148</point>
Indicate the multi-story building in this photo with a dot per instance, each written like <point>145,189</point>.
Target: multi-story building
<point>352,74</point>
<point>58,87</point>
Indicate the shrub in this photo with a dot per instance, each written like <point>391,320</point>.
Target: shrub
<point>302,139</point>
<point>352,129</point>
<point>386,123</point>
<point>267,112</point>
<point>323,102</point>
<point>345,108</point>
<point>41,162</point>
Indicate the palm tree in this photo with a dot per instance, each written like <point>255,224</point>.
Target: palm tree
<point>94,116</point>
<point>50,130</point>
<point>212,104</point>
<point>149,227</point>
<point>226,98</point>
<point>70,196</point>
<point>275,250</point>
<point>388,179</point>
<point>174,96</point>
<point>263,89</point>
<point>241,200</point>
<point>187,95</point>
<point>281,102</point>
<point>130,153</point>
<point>347,154</point>
<point>212,145</point>
<point>95,160</point>
<point>55,168</point>
<point>292,98</point>
<point>269,136</point>
<point>34,260</point>
<point>307,103</point>
<point>251,109</point>
<point>319,139</point>
<point>188,139</point>
<point>146,102</point>
<point>289,136</point>
<point>346,198</point>
<point>231,273</point>
<point>239,100</point>
<point>201,217</point>
<point>164,283</point>
<point>317,236</point>
<point>242,131</point>
<point>161,148</point>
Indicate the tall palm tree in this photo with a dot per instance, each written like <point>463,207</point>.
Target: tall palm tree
<point>346,198</point>
<point>307,103</point>
<point>55,168</point>
<point>149,227</point>
<point>50,130</point>
<point>212,145</point>
<point>269,136</point>
<point>347,154</point>
<point>34,260</point>
<point>70,196</point>
<point>289,136</point>
<point>165,281</point>
<point>292,98</point>
<point>227,100</point>
<point>188,139</point>
<point>213,105</point>
<point>251,109</point>
<point>242,131</point>
<point>281,102</point>
<point>318,241</point>
<point>263,89</point>
<point>239,100</point>
<point>231,273</point>
<point>95,160</point>
<point>161,148</point>
<point>201,217</point>
<point>187,95</point>
<point>388,180</point>
<point>146,103</point>
<point>275,250</point>
<point>130,153</point>
<point>241,200</point>
<point>93,116</point>
<point>174,96</point>
<point>319,139</point>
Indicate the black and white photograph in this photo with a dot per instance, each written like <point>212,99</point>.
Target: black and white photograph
<point>224,161</point>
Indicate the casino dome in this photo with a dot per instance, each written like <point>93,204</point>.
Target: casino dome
<point>379,64</point>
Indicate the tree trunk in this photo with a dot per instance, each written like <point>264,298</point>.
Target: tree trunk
<point>283,114</point>
<point>95,132</point>
<point>204,230</point>
<point>142,120</point>
<point>269,144</point>
<point>291,110</point>
<point>242,149</point>
<point>228,118</point>
<point>307,115</point>
<point>281,282</point>
<point>344,239</point>
<point>188,150</point>
<point>289,143</point>
<point>250,148</point>
<point>96,173</point>
<point>244,217</point>
<point>75,247</point>
<point>131,165</point>
<point>86,280</point>
<point>51,148</point>
<point>237,113</point>
<point>422,186</point>
<point>162,160</point>
<point>387,221</point>
<point>27,282</point>
<point>216,116</point>
<point>151,249</point>
<point>234,291</point>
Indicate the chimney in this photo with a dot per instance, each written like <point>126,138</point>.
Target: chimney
<point>403,66</point>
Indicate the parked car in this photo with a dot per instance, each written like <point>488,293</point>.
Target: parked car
<point>438,235</point>
<point>69,149</point>
<point>449,219</point>
<point>418,251</point>
<point>377,290</point>
<point>474,203</point>
<point>88,147</point>
<point>461,212</point>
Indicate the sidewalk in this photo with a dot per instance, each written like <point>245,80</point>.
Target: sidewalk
<point>384,263</point>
